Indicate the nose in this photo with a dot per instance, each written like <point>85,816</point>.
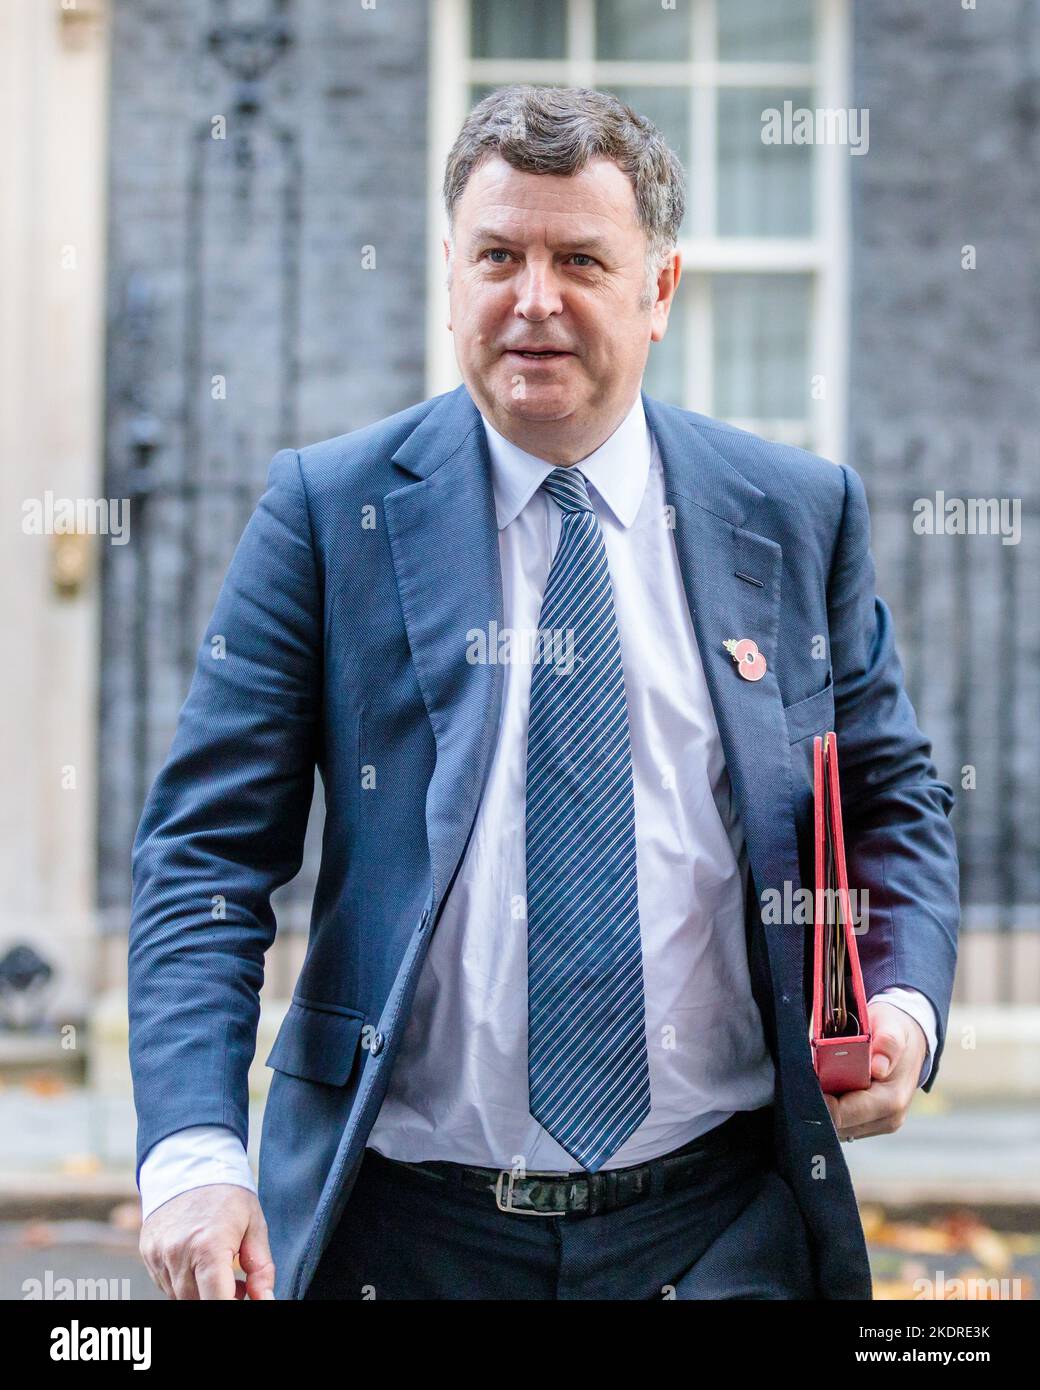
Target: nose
<point>537,295</point>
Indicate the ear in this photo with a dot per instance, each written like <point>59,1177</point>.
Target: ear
<point>667,284</point>
<point>447,262</point>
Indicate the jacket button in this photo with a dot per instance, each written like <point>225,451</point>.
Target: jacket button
<point>377,1044</point>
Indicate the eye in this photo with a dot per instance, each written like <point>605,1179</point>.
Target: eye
<point>497,251</point>
<point>583,256</point>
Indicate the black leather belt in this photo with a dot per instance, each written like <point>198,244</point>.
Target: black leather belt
<point>746,1133</point>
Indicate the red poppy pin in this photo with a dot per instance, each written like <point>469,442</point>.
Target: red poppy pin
<point>750,662</point>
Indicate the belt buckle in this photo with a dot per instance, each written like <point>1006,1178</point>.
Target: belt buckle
<point>507,1173</point>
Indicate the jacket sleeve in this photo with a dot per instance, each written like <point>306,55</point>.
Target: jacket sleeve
<point>223,826</point>
<point>900,845</point>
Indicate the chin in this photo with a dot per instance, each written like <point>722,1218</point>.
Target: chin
<point>539,405</point>
<point>543,400</point>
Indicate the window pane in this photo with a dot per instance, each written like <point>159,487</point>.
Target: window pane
<point>761,346</point>
<point>765,30</point>
<point>635,30</point>
<point>764,190</point>
<point>669,109</point>
<point>665,375</point>
<point>479,90</point>
<point>518,28</point>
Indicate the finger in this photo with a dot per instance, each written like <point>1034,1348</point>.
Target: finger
<point>882,1126</point>
<point>254,1256</point>
<point>859,1114</point>
<point>881,1066</point>
<point>859,1108</point>
<point>887,1049</point>
<point>155,1267</point>
<point>903,1070</point>
<point>215,1275</point>
<point>185,1287</point>
<point>160,1273</point>
<point>839,1109</point>
<point>884,1117</point>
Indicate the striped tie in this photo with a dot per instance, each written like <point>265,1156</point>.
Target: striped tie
<point>587,1060</point>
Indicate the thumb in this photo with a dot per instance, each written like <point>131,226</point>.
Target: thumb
<point>254,1255</point>
<point>883,1055</point>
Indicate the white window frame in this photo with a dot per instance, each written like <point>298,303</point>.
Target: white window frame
<point>824,255</point>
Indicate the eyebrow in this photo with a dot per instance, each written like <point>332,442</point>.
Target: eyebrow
<point>590,243</point>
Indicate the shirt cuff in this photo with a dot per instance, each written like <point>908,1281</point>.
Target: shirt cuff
<point>920,1009</point>
<point>192,1157</point>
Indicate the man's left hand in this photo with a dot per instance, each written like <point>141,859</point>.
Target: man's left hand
<point>897,1052</point>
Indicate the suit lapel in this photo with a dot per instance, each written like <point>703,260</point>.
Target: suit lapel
<point>715,546</point>
<point>444,541</point>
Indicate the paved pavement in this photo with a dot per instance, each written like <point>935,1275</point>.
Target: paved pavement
<point>978,1155</point>
<point>72,1260</point>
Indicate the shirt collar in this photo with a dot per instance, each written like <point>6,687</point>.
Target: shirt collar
<point>617,470</point>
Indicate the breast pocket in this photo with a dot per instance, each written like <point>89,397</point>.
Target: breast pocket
<point>813,715</point>
<point>319,1042</point>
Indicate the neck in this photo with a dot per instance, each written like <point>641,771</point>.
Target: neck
<point>562,443</point>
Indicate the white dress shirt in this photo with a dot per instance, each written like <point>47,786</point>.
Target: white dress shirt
<point>459,1087</point>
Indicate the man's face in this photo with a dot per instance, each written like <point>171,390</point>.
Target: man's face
<point>553,263</point>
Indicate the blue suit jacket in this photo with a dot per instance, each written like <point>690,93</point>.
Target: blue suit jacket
<point>344,613</point>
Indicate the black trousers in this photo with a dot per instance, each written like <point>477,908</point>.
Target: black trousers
<point>735,1233</point>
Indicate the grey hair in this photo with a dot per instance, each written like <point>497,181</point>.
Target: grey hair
<point>558,130</point>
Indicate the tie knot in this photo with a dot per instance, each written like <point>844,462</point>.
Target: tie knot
<point>569,490</point>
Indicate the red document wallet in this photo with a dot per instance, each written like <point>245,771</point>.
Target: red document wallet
<point>840,1034</point>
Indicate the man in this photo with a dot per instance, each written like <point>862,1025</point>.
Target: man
<point>546,1041</point>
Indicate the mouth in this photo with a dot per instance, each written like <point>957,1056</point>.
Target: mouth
<point>538,354</point>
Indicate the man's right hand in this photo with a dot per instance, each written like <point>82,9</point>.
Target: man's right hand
<point>189,1244</point>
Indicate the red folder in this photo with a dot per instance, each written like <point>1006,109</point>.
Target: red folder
<point>840,1034</point>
